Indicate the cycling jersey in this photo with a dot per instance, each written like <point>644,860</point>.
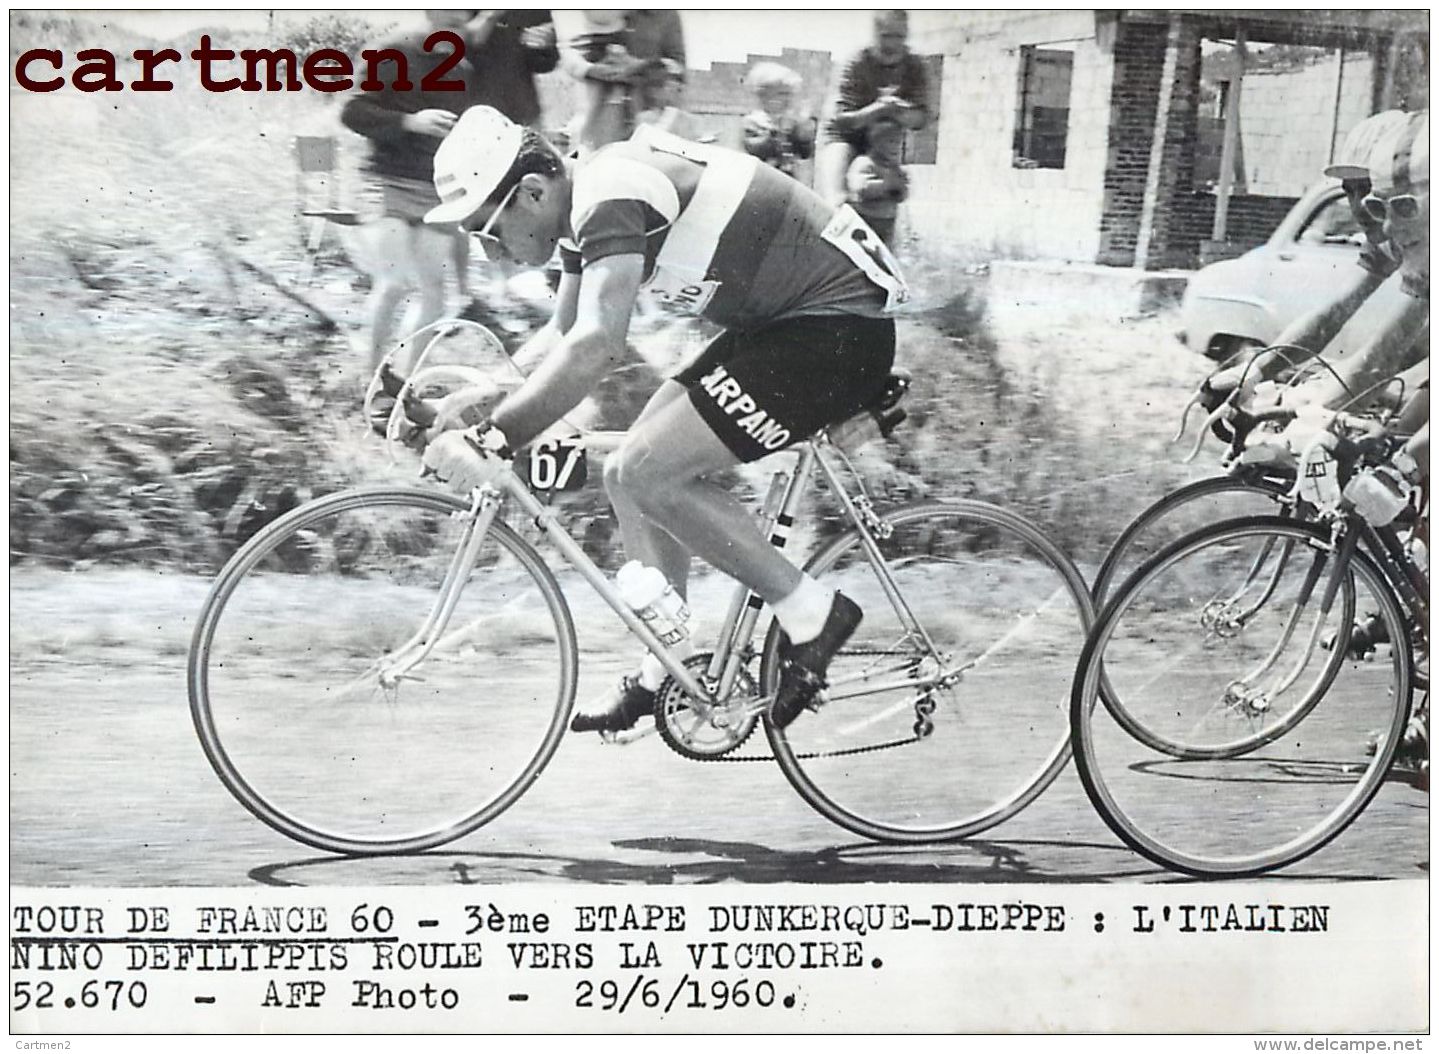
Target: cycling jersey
<point>725,236</point>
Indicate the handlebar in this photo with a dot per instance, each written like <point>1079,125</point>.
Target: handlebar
<point>1240,422</point>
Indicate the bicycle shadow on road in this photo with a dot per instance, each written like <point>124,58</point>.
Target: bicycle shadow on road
<point>701,861</point>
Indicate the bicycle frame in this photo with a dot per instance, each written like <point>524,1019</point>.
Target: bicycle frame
<point>737,631</point>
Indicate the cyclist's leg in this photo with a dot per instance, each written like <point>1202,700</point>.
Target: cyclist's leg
<point>643,538</point>
<point>749,395</point>
<point>662,473</point>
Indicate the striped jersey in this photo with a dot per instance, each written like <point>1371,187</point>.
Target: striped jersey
<point>724,236</point>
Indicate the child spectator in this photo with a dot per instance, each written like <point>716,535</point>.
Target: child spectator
<point>773,133</point>
<point>876,182</point>
<point>886,79</point>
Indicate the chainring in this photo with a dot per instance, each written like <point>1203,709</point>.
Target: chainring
<point>696,730</point>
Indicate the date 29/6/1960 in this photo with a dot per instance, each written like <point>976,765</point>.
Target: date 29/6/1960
<point>650,993</point>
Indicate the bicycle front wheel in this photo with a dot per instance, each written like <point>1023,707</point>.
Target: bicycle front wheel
<point>292,674</point>
<point>1224,638</point>
<point>946,712</point>
<point>1182,512</point>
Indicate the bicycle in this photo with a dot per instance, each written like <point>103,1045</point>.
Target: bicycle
<point>1244,489</point>
<point>965,605</point>
<point>1233,767</point>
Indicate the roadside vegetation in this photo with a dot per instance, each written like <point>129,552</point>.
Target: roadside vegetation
<point>175,384</point>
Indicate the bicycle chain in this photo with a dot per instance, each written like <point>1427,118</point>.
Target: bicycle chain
<point>925,708</point>
<point>825,753</point>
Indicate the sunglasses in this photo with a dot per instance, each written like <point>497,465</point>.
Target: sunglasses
<point>490,246</point>
<point>1401,207</point>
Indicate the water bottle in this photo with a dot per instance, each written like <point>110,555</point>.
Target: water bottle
<point>1378,496</point>
<point>654,600</point>
<point>1319,477</point>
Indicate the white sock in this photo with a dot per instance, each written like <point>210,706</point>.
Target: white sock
<point>652,672</point>
<point>803,612</point>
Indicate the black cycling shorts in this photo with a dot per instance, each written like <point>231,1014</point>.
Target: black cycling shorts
<point>764,389</point>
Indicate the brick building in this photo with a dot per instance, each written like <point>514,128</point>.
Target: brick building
<point>1095,136</point>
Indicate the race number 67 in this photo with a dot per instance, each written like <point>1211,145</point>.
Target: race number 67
<point>558,464</point>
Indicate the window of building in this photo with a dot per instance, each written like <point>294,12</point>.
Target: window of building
<point>1295,102</point>
<point>1041,127</point>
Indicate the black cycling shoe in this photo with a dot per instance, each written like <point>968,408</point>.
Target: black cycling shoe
<point>629,702</point>
<point>803,666</point>
<point>1368,633</point>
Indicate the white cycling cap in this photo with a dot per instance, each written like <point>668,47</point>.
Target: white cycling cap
<point>1399,162</point>
<point>1351,161</point>
<point>472,162</point>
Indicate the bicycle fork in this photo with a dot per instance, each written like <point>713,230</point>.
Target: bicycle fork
<point>1245,692</point>
<point>418,648</point>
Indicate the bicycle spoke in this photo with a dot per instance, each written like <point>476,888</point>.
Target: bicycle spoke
<point>333,718</point>
<point>1258,747</point>
<point>965,572</point>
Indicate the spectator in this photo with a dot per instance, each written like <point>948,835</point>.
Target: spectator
<point>876,180</point>
<point>613,54</point>
<point>608,76</point>
<point>663,96</point>
<point>773,133</point>
<point>503,52</point>
<point>886,79</point>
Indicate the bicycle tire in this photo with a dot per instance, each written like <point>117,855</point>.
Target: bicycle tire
<point>838,759</point>
<point>1166,508</point>
<point>1190,815</point>
<point>348,766</point>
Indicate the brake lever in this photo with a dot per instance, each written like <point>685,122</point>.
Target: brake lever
<point>1184,415</point>
<point>1215,415</point>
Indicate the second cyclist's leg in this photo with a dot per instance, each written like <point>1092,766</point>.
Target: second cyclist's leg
<point>432,250</point>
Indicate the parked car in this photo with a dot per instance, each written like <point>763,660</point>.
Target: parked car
<point>1249,300</point>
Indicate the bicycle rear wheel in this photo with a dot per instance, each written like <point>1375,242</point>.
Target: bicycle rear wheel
<point>1221,639</point>
<point>942,728</point>
<point>287,665</point>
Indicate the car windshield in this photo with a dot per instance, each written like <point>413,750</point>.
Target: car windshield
<point>1333,224</point>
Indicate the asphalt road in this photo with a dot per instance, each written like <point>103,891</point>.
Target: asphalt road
<point>109,787</point>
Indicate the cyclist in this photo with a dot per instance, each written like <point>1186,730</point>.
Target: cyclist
<point>1384,168</point>
<point>803,290</point>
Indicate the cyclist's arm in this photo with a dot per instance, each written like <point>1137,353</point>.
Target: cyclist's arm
<point>592,345</point>
<point>1414,412</point>
<point>1417,446</point>
<point>1306,336</point>
<point>538,347</point>
<point>1392,350</point>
